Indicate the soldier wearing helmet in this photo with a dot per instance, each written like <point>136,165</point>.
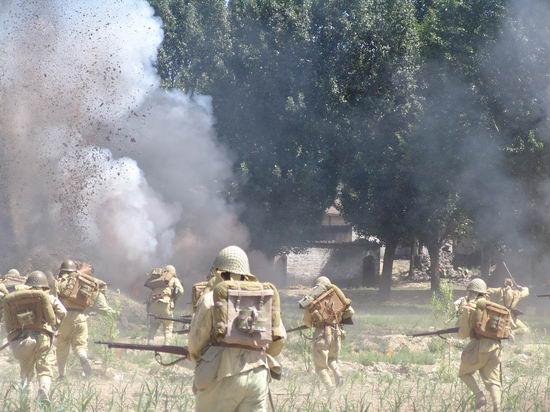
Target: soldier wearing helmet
<point>229,377</point>
<point>328,334</point>
<point>166,288</point>
<point>509,296</point>
<point>33,347</point>
<point>480,354</point>
<point>73,332</point>
<point>13,280</point>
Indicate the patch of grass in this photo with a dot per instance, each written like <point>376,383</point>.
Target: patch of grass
<point>400,357</point>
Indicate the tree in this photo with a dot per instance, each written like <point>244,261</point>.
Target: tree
<point>369,54</point>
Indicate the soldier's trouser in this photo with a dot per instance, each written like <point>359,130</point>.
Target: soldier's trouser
<point>326,349</point>
<point>246,392</point>
<point>521,328</point>
<point>488,365</point>
<point>73,333</point>
<point>35,353</point>
<point>165,310</point>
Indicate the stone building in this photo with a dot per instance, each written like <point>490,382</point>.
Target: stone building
<point>337,252</point>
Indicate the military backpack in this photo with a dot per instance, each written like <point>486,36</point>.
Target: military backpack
<point>328,306</point>
<point>27,310</point>
<point>159,279</point>
<point>197,291</point>
<point>79,291</point>
<point>246,314</point>
<point>492,320</point>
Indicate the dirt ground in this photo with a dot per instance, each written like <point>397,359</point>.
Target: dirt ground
<point>384,369</point>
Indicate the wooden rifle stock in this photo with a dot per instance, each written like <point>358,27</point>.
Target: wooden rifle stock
<point>435,332</point>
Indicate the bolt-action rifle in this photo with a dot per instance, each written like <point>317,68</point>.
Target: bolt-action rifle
<point>186,319</point>
<point>435,332</point>
<point>181,351</point>
<point>297,328</point>
<point>547,295</point>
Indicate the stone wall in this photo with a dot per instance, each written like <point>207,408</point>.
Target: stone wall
<point>344,264</point>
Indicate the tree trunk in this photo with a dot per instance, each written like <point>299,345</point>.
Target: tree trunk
<point>387,269</point>
<point>486,260</point>
<point>435,270</point>
<point>412,257</point>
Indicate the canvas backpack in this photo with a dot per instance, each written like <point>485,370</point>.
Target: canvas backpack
<point>79,291</point>
<point>27,310</point>
<point>328,306</point>
<point>159,279</point>
<point>246,314</point>
<point>491,320</point>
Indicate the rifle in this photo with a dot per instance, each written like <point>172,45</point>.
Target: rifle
<point>297,328</point>
<point>435,332</point>
<point>158,349</point>
<point>510,274</point>
<point>186,319</point>
<point>547,295</point>
<point>182,332</point>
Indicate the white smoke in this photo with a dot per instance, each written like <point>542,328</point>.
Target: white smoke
<point>97,161</point>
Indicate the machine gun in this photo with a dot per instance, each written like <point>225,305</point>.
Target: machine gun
<point>181,351</point>
<point>547,295</point>
<point>435,332</point>
<point>186,319</point>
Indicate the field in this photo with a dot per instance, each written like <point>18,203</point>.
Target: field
<point>384,369</point>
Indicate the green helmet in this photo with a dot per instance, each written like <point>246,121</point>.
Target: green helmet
<point>232,259</point>
<point>68,266</point>
<point>170,269</point>
<point>477,285</point>
<point>37,279</point>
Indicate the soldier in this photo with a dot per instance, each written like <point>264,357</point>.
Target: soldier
<point>165,290</point>
<point>480,354</point>
<point>234,349</point>
<point>327,338</point>
<point>509,296</point>
<point>13,280</point>
<point>32,320</point>
<point>73,331</point>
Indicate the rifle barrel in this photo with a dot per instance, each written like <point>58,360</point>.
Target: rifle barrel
<point>171,349</point>
<point>297,328</point>
<point>435,332</point>
<point>544,296</point>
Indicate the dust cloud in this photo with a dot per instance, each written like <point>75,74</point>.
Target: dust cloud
<point>98,162</point>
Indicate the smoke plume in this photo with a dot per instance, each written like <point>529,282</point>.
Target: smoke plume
<point>97,162</point>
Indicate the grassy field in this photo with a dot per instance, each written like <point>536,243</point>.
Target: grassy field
<point>384,369</point>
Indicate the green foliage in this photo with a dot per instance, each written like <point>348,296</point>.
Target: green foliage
<point>442,302</point>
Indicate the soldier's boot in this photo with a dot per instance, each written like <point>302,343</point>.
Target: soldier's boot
<point>85,363</point>
<point>496,397</point>
<point>326,379</point>
<point>471,383</point>
<point>44,384</point>
<point>338,378</point>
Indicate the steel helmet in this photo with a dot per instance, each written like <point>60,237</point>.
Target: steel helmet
<point>68,266</point>
<point>170,269</point>
<point>477,285</point>
<point>37,279</point>
<point>232,259</point>
<point>13,272</point>
<point>322,281</point>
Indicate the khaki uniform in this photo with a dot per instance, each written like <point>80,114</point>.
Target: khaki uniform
<point>73,332</point>
<point>3,292</point>
<point>228,379</point>
<point>510,297</point>
<point>35,352</point>
<point>480,355</point>
<point>326,345</point>
<point>161,303</point>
